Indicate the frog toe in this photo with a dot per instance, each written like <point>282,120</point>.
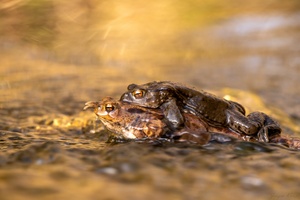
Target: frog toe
<point>263,135</point>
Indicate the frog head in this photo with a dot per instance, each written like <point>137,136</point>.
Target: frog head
<point>151,95</point>
<point>107,109</point>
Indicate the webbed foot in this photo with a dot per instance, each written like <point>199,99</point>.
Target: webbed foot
<point>257,125</point>
<point>268,127</point>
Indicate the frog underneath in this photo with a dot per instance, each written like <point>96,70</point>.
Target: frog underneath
<point>131,121</point>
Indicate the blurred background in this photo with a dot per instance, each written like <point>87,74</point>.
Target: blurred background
<point>55,55</point>
<point>249,45</point>
<point>83,48</point>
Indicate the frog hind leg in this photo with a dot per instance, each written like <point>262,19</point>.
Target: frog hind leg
<point>257,124</point>
<point>238,122</point>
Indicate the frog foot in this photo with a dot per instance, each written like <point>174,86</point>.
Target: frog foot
<point>268,128</point>
<point>257,125</point>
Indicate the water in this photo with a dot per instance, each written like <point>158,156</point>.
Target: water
<point>55,56</point>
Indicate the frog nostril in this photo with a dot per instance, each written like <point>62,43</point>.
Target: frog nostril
<point>124,96</point>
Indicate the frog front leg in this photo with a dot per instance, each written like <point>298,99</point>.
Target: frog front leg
<point>172,114</point>
<point>257,124</point>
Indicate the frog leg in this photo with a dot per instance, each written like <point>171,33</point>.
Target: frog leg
<point>154,129</point>
<point>172,114</point>
<point>242,124</point>
<point>256,123</point>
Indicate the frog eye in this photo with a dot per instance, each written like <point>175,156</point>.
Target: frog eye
<point>109,107</point>
<point>138,94</point>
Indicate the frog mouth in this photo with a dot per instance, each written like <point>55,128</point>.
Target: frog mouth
<point>96,107</point>
<point>101,113</point>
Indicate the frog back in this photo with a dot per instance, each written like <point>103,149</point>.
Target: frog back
<point>208,107</point>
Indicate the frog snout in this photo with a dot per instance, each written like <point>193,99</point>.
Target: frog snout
<point>101,112</point>
<point>126,97</point>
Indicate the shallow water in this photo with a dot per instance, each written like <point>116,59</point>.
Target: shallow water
<point>52,63</point>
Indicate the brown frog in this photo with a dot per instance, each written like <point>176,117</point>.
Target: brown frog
<point>135,122</point>
<point>175,100</point>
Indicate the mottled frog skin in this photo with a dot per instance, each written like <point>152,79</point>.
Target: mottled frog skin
<point>128,120</point>
<point>174,100</point>
<point>135,122</point>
